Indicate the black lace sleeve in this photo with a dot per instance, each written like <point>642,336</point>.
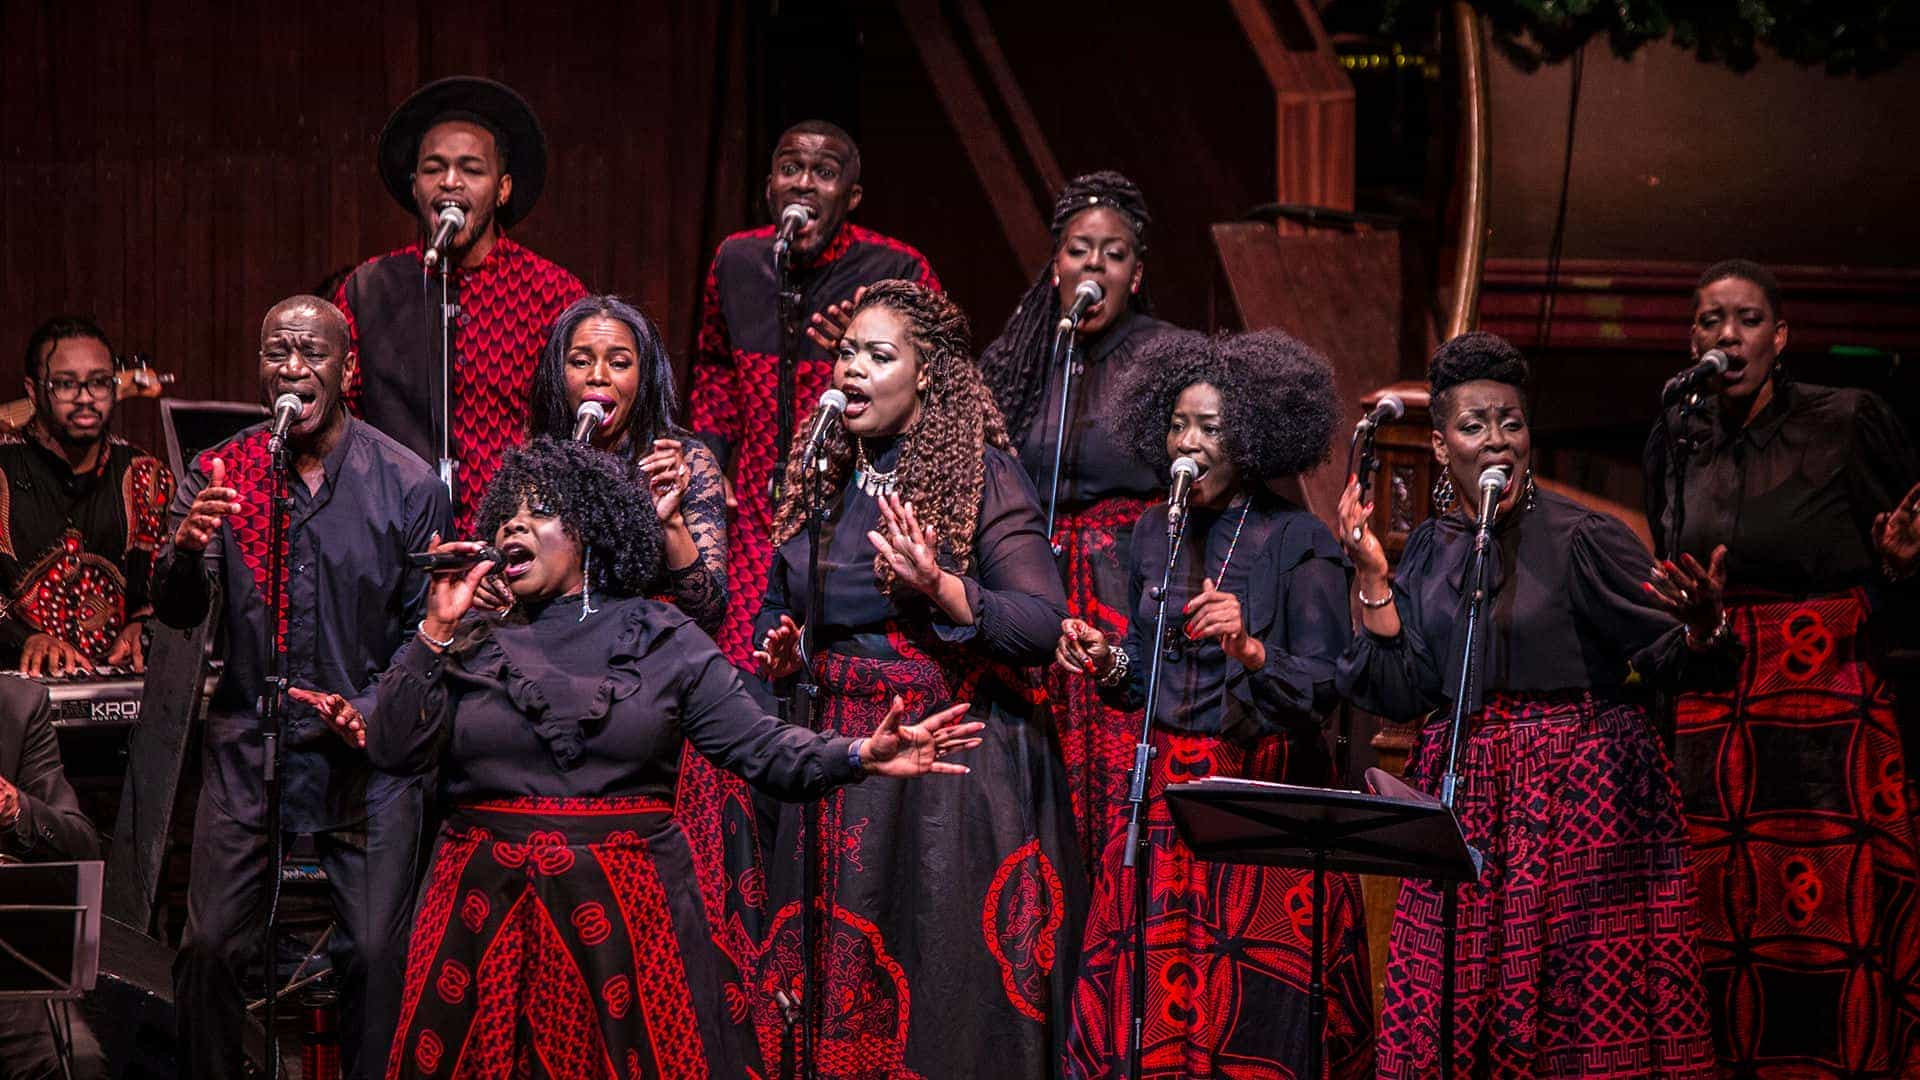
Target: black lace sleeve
<point>700,589</point>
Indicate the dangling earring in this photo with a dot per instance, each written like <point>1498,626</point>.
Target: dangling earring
<point>586,588</point>
<point>1442,493</point>
<point>1529,494</point>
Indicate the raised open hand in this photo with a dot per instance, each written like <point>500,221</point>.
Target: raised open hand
<point>903,750</point>
<point>214,504</point>
<point>779,652</point>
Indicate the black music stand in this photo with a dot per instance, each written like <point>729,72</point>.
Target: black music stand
<point>50,938</point>
<point>1223,819</point>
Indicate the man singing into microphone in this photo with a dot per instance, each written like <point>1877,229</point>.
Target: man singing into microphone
<point>359,503</point>
<point>82,514</point>
<point>475,146</point>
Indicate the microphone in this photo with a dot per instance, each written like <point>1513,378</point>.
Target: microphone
<point>1712,364</point>
<point>452,220</point>
<point>455,560</point>
<point>1184,473</point>
<point>1389,408</point>
<point>832,404</point>
<point>794,218</point>
<point>286,409</point>
<point>590,415</point>
<point>1088,294</point>
<point>1493,481</point>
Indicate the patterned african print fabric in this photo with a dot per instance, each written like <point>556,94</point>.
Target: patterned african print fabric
<point>1229,949</point>
<point>76,550</point>
<point>507,305</point>
<point>1576,950</point>
<point>1096,739</point>
<point>1801,815</point>
<point>954,906</point>
<point>552,941</point>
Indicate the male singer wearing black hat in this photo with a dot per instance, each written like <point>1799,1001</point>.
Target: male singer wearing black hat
<point>360,503</point>
<point>473,145</point>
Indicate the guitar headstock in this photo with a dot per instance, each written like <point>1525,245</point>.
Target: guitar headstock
<point>136,377</point>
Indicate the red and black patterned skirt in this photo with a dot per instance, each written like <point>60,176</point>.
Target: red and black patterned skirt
<point>562,938</point>
<point>1576,953</point>
<point>951,902</point>
<point>1801,813</point>
<point>1096,741</point>
<point>1229,949</point>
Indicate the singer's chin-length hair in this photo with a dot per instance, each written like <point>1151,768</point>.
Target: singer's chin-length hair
<point>610,517</point>
<point>942,465</point>
<point>1277,400</point>
<point>652,417</point>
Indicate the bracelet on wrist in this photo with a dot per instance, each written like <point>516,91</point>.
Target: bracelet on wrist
<point>430,639</point>
<point>1370,603</point>
<point>1117,674</point>
<point>853,756</point>
<point>1720,633</point>
<point>1892,574</point>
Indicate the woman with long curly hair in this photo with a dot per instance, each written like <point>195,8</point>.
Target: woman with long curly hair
<point>1100,231</point>
<point>1798,795</point>
<point>604,350</point>
<point>1576,949</point>
<point>560,929</point>
<point>1257,619</point>
<point>952,909</point>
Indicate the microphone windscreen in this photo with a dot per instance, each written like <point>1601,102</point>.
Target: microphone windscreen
<point>288,402</point>
<point>1716,360</point>
<point>1391,407</point>
<point>454,216</point>
<point>1092,290</point>
<point>591,408</point>
<point>1495,476</point>
<point>833,399</point>
<point>1185,466</point>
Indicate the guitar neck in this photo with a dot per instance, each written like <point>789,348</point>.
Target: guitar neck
<point>15,414</point>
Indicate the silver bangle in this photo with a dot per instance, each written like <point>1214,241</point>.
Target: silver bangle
<point>421,629</point>
<point>1720,634</point>
<point>1380,603</point>
<point>1117,674</point>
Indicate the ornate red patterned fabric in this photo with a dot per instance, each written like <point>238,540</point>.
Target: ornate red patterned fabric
<point>1096,740</point>
<point>1801,814</point>
<point>1576,953</point>
<point>507,306</point>
<point>249,463</point>
<point>1229,949</point>
<point>554,940</point>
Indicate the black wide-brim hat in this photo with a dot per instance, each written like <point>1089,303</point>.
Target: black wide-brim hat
<point>499,105</point>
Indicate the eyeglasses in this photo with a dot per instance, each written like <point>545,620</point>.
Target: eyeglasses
<point>68,389</point>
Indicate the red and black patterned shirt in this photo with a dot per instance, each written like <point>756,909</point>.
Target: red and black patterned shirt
<point>507,305</point>
<point>76,549</point>
<point>733,404</point>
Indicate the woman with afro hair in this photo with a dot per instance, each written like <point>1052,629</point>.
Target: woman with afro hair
<point>1576,950</point>
<point>560,928</point>
<point>953,909</point>
<point>1100,231</point>
<point>1257,619</point>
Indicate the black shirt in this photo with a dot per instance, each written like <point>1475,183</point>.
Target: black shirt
<point>1096,463</point>
<point>548,703</point>
<point>1565,613</point>
<point>351,601</point>
<point>1291,579</point>
<point>1793,494</point>
<point>76,549</point>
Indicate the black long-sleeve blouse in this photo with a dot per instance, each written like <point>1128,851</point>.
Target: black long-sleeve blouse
<point>1012,587</point>
<point>557,705</point>
<point>1095,464</point>
<point>1793,494</point>
<point>1291,579</point>
<point>1565,613</point>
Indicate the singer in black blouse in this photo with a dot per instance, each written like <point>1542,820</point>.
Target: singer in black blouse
<point>560,929</point>
<point>1256,621</point>
<point>1795,780</point>
<point>1576,948</point>
<point>936,585</point>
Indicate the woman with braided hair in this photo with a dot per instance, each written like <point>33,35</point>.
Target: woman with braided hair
<point>1100,224</point>
<point>952,914</point>
<point>1256,623</point>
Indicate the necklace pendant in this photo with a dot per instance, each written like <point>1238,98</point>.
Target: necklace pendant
<point>875,483</point>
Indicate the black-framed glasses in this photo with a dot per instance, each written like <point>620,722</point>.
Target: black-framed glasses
<point>66,388</point>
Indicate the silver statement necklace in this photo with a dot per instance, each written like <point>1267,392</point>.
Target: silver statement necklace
<point>875,483</point>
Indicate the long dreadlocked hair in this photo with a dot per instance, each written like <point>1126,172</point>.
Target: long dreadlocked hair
<point>1015,365</point>
<point>942,468</point>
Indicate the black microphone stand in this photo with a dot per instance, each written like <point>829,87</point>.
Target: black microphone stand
<point>449,312</point>
<point>1475,582</point>
<point>1136,855</point>
<point>1068,337</point>
<point>272,709</point>
<point>1680,448</point>
<point>788,293</point>
<point>811,925</point>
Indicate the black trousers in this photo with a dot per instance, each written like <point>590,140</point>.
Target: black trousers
<point>372,877</point>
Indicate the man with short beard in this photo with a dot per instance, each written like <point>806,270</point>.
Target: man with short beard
<point>474,144</point>
<point>359,503</point>
<point>81,511</point>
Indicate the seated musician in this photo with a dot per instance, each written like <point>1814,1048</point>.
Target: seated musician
<point>80,513</point>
